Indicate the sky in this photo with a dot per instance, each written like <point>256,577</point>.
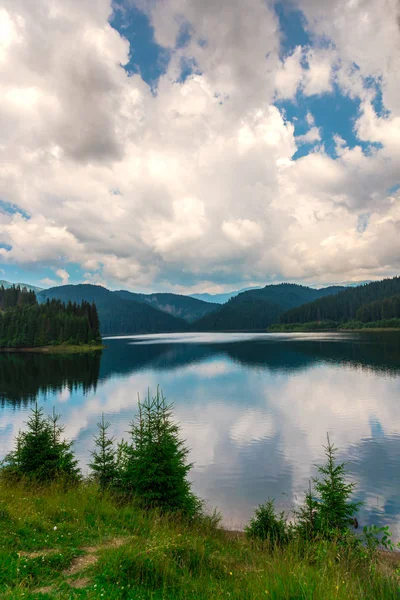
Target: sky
<point>185,146</point>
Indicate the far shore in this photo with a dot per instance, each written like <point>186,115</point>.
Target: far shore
<point>61,349</point>
<point>337,330</point>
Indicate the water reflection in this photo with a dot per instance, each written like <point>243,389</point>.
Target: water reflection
<point>25,377</point>
<point>254,409</point>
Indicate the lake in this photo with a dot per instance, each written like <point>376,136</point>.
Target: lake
<point>255,409</point>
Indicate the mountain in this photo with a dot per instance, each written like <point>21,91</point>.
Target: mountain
<point>185,307</point>
<point>220,298</point>
<point>118,316</point>
<point>7,284</point>
<point>259,308</point>
<point>346,305</point>
<point>124,313</point>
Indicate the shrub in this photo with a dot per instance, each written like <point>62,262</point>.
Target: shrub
<point>267,525</point>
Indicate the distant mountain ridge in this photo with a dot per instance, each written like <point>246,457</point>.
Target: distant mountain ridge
<point>28,286</point>
<point>221,298</point>
<point>126,313</point>
<point>259,308</point>
<point>185,307</point>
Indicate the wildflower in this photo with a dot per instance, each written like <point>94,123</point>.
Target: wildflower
<point>230,572</point>
<point>55,528</point>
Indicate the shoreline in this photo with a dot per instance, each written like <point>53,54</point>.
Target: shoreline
<point>62,349</point>
<point>338,330</point>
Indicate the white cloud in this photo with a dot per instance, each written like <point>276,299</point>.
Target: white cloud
<point>197,183</point>
<point>318,77</point>
<point>64,276</point>
<point>243,232</point>
<point>289,76</point>
<point>312,135</point>
<point>365,34</point>
<point>49,282</point>
<point>310,119</point>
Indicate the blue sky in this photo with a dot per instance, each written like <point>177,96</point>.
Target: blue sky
<point>309,98</point>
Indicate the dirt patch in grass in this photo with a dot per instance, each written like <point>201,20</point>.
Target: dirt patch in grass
<point>90,557</point>
<point>80,583</point>
<point>80,563</point>
<point>39,553</point>
<point>43,590</point>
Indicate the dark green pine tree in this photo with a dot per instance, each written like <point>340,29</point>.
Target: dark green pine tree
<point>307,516</point>
<point>104,464</point>
<point>154,463</point>
<point>67,465</point>
<point>34,456</point>
<point>335,510</point>
<point>40,453</point>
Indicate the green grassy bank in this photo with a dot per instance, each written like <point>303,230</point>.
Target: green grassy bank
<point>81,543</point>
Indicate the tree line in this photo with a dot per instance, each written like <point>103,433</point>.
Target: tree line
<point>26,324</point>
<point>16,296</point>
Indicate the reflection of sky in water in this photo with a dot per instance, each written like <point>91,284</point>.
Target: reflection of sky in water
<point>255,412</point>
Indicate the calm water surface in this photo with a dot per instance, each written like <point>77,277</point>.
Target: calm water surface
<point>254,409</point>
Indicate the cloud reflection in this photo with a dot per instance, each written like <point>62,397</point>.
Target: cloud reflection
<point>255,413</point>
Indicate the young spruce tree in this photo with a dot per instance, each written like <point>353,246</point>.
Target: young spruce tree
<point>335,512</point>
<point>40,453</point>
<point>154,467</point>
<point>307,516</point>
<point>104,465</point>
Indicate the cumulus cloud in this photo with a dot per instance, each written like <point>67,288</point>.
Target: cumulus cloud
<point>290,75</point>
<point>312,135</point>
<point>64,276</point>
<point>318,77</point>
<point>195,185</point>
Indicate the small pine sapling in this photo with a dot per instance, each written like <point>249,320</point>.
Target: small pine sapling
<point>335,511</point>
<point>104,464</point>
<point>154,462</point>
<point>41,454</point>
<point>266,525</point>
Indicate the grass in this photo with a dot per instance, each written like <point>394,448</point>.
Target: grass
<point>79,543</point>
<point>317,326</point>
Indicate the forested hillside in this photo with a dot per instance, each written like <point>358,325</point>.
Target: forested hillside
<point>258,309</point>
<point>117,315</point>
<point>15,296</point>
<point>388,308</point>
<point>26,324</point>
<point>185,307</point>
<point>358,303</point>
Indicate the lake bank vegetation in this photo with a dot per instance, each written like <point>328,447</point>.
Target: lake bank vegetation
<point>25,324</point>
<point>388,324</point>
<point>135,529</point>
